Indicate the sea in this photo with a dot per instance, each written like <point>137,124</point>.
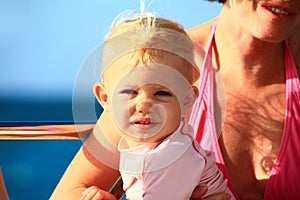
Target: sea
<point>32,168</point>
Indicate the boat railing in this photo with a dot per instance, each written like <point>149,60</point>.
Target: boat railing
<point>46,132</point>
<point>51,132</point>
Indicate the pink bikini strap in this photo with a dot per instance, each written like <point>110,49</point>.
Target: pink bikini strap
<point>290,63</point>
<point>218,154</point>
<point>211,37</point>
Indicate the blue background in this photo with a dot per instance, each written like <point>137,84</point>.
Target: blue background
<point>42,46</point>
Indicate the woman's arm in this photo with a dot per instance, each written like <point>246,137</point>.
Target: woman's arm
<point>92,165</point>
<point>84,171</point>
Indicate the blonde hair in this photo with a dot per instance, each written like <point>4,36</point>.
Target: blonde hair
<point>149,39</point>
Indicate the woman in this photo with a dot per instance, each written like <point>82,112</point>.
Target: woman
<point>262,103</point>
<point>262,95</point>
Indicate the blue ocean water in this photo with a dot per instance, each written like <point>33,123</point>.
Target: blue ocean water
<point>32,169</point>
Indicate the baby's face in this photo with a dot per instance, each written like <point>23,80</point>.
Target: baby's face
<point>147,101</point>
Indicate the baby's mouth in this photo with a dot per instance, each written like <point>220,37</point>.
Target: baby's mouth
<point>142,121</point>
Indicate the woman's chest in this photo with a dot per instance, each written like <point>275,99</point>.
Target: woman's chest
<point>251,138</point>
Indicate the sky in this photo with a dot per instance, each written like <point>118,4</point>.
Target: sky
<point>44,43</point>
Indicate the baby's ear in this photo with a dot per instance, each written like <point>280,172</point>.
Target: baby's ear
<point>100,94</point>
<point>190,98</point>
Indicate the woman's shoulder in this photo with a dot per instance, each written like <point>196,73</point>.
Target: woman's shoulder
<point>201,33</point>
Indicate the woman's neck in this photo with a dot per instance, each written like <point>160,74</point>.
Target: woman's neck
<point>238,53</point>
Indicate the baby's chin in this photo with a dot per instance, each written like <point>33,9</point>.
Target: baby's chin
<point>141,140</point>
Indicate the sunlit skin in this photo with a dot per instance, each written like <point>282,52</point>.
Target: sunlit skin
<point>248,52</point>
<point>271,21</point>
<point>144,113</point>
<point>145,116</point>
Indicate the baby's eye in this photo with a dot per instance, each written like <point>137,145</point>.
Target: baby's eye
<point>129,92</point>
<point>163,93</point>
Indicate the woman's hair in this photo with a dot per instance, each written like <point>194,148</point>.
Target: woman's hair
<point>219,1</point>
<point>150,39</point>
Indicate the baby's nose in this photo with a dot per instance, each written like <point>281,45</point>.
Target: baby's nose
<point>144,106</point>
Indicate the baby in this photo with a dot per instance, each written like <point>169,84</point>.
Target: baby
<point>147,86</point>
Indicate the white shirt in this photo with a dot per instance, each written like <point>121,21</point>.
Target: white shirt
<point>169,170</point>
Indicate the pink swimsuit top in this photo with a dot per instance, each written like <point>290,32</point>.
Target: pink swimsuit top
<point>284,181</point>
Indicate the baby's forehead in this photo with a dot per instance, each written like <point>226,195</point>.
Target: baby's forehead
<point>155,74</point>
<point>168,68</point>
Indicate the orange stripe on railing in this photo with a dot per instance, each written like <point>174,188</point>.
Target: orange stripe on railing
<point>46,132</point>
